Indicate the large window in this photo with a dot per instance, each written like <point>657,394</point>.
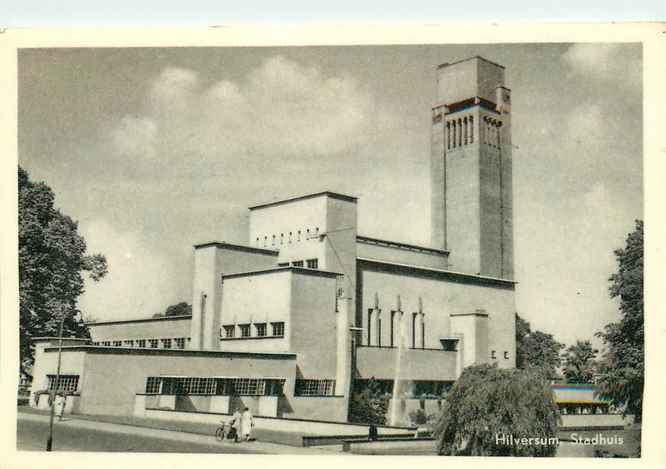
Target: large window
<point>65,383</point>
<point>312,263</point>
<point>141,343</point>
<point>153,343</point>
<point>166,343</point>
<point>278,329</point>
<point>180,342</point>
<point>297,263</point>
<point>261,329</point>
<point>229,331</point>
<point>117,343</point>
<point>315,387</point>
<point>244,330</point>
<point>214,386</point>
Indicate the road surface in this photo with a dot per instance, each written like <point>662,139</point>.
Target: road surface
<point>78,435</point>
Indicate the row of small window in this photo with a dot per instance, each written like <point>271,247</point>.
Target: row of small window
<point>493,355</point>
<point>214,386</point>
<point>228,331</point>
<point>178,343</point>
<point>288,238</point>
<point>64,383</point>
<point>309,263</point>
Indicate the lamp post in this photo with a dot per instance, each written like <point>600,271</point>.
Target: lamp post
<point>49,441</point>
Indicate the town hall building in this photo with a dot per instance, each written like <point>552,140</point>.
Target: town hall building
<point>308,309</point>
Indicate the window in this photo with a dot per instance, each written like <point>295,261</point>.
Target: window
<point>312,263</point>
<point>290,233</point>
<point>153,385</point>
<point>128,343</point>
<point>141,343</point>
<point>278,329</point>
<point>506,355</point>
<point>153,343</point>
<point>273,241</point>
<point>180,342</point>
<point>248,387</point>
<point>65,383</point>
<point>283,264</point>
<point>298,235</point>
<point>244,330</point>
<point>166,343</point>
<point>117,343</point>
<point>261,329</point>
<point>297,263</point>
<point>265,241</point>
<point>281,238</point>
<point>229,331</point>
<point>492,355</point>
<point>106,343</point>
<point>314,387</point>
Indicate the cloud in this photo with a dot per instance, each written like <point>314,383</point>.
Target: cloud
<point>140,281</point>
<point>604,62</point>
<point>135,136</point>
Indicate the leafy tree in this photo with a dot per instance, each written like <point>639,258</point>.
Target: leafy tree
<point>179,309</point>
<point>52,258</point>
<point>536,349</point>
<point>621,371</point>
<point>370,405</point>
<point>579,362</point>
<point>487,403</point>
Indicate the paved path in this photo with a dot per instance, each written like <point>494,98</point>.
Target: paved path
<point>74,434</point>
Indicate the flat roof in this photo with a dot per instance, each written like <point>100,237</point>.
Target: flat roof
<point>478,57</point>
<point>236,247</point>
<point>334,195</point>
<point>300,270</point>
<point>164,351</point>
<point>127,321</point>
<point>456,276</point>
<point>400,245</point>
<point>48,338</point>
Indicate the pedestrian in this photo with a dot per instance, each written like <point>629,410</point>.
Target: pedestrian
<point>247,424</point>
<point>236,425</point>
<point>60,406</point>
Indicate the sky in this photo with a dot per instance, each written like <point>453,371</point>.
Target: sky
<point>153,150</point>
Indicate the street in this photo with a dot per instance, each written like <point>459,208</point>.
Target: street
<point>73,435</point>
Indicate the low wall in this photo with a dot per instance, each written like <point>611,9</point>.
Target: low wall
<point>330,408</point>
<point>595,421</point>
<point>310,427</point>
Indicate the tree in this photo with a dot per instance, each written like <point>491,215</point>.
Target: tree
<point>621,371</point>
<point>579,362</point>
<point>179,309</point>
<point>52,258</point>
<point>536,349</point>
<point>369,406</point>
<point>488,403</point>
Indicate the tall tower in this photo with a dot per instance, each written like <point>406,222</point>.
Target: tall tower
<point>472,207</point>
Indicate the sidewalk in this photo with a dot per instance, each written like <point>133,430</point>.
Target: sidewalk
<point>125,429</point>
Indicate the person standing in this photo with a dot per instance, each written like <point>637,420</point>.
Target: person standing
<point>247,424</point>
<point>60,406</point>
<point>236,425</point>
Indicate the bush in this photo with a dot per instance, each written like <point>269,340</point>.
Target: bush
<point>369,406</point>
<point>487,403</point>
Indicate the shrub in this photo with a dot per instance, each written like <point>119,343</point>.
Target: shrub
<point>487,403</point>
<point>370,405</point>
